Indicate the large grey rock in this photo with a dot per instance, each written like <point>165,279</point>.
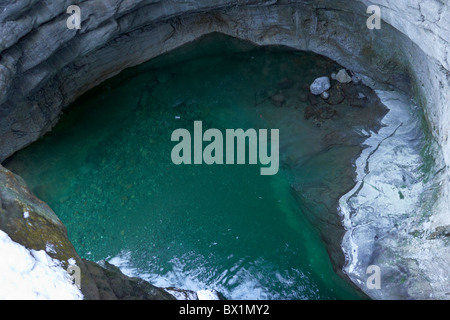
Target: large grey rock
<point>343,77</point>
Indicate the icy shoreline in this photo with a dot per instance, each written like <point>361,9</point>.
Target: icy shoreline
<point>387,214</point>
<point>32,275</point>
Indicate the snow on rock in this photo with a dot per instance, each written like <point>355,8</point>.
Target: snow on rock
<point>343,76</point>
<point>207,295</point>
<point>32,275</point>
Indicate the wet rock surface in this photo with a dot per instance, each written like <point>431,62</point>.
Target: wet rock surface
<point>112,284</point>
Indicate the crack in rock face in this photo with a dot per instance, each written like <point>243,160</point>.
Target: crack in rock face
<point>45,66</point>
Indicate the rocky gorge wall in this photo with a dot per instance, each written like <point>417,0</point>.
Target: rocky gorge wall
<point>44,66</point>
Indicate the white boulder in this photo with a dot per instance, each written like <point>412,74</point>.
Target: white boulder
<point>320,85</point>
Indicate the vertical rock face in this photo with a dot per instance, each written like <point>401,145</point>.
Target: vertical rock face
<point>44,66</point>
<point>427,25</point>
<point>38,229</point>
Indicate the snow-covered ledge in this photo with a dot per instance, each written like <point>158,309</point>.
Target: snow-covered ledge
<point>32,275</point>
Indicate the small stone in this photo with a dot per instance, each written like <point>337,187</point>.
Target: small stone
<point>361,96</point>
<point>325,95</point>
<point>320,85</point>
<point>278,100</point>
<point>336,96</point>
<point>312,99</point>
<point>343,76</point>
<point>64,199</point>
<point>328,113</point>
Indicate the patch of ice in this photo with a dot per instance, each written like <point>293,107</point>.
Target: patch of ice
<point>207,295</point>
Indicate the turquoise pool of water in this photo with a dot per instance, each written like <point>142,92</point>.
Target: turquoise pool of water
<point>106,171</point>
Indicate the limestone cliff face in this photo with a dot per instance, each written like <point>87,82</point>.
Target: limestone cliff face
<point>44,66</point>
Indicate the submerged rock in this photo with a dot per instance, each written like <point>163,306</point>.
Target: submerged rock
<point>325,95</point>
<point>319,113</point>
<point>336,96</point>
<point>309,112</point>
<point>278,100</point>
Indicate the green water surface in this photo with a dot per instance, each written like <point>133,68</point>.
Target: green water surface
<point>106,171</point>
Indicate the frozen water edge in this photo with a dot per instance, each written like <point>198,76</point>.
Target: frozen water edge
<point>32,275</point>
<point>388,214</point>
